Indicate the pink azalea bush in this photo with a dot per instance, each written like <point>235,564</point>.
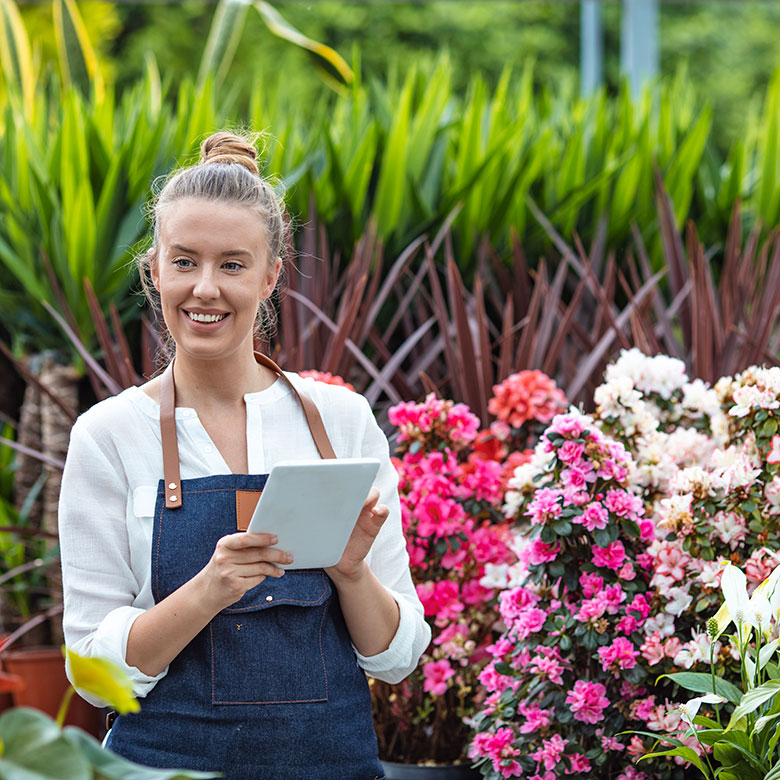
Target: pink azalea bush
<point>452,481</point>
<point>563,678</point>
<point>700,479</point>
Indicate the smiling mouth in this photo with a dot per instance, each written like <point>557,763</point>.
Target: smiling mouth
<point>206,317</point>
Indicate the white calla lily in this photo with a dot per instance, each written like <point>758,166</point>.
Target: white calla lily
<point>690,709</point>
<point>734,586</point>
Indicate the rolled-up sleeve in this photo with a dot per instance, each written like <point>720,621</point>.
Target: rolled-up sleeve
<point>389,561</point>
<point>99,586</point>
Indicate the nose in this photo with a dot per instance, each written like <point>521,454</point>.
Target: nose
<point>206,286</point>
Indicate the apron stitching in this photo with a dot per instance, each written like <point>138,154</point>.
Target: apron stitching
<point>322,655</point>
<point>275,701</point>
<point>157,554</point>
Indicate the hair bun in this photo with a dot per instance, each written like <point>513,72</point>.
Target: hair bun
<point>229,149</point>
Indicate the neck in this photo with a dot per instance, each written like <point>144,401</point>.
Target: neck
<point>219,382</point>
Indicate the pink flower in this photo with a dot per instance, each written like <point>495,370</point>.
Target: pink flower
<point>591,584</point>
<point>513,602</point>
<point>549,668</point>
<point>610,557</point>
<point>587,701</point>
<point>498,748</point>
<point>568,425</point>
<point>623,504</point>
<point>551,751</point>
<point>595,516</point>
<point>619,655</point>
<point>440,599</point>
<point>570,452</point>
<point>327,378</point>
<point>537,552</point>
<point>545,506</point>
<point>492,680</point>
<point>578,764</point>
<point>536,717</point>
<point>610,743</point>
<point>671,561</point>
<point>652,649</point>
<point>529,622</point>
<point>631,773</point>
<point>436,675</point>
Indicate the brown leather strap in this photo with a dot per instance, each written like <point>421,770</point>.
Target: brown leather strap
<point>170,446</point>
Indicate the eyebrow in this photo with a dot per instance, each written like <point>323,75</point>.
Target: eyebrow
<point>226,253</point>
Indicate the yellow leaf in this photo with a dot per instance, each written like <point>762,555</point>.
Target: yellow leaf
<point>103,678</point>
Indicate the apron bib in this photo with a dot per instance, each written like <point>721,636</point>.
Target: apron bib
<point>270,689</point>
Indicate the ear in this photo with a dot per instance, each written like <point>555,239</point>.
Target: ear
<point>272,277</point>
<point>154,269</point>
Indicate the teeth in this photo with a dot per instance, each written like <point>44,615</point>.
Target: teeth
<point>206,317</point>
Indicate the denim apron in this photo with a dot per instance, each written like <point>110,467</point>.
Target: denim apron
<point>270,689</point>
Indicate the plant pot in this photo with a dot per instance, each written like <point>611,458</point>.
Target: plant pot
<point>45,685</point>
<point>395,771</point>
<point>6,699</point>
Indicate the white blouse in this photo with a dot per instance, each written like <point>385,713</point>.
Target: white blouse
<point>109,490</point>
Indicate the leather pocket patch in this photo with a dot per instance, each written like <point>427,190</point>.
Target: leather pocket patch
<point>246,501</point>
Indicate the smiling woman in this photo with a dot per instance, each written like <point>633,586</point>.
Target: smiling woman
<point>244,668</point>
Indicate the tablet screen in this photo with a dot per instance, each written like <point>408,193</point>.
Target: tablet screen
<point>312,507</point>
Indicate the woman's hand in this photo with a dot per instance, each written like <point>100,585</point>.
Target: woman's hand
<point>240,561</point>
<point>370,521</point>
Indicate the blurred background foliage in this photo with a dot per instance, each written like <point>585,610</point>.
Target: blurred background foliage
<point>728,48</point>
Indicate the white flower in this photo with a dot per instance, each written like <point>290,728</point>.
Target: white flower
<point>679,601</point>
<point>730,528</point>
<point>662,623</point>
<point>772,493</point>
<point>700,398</point>
<point>496,575</point>
<point>695,651</point>
<point>690,709</point>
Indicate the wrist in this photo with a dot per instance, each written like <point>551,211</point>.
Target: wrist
<point>349,578</point>
<point>204,593</point>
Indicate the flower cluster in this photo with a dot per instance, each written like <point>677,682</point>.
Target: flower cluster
<point>526,396</point>
<point>565,677</point>
<point>327,377</point>
<point>452,482</point>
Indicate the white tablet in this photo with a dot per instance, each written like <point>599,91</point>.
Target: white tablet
<point>312,507</point>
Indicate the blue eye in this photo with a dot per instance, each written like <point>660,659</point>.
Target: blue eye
<point>183,262</point>
<point>232,266</point>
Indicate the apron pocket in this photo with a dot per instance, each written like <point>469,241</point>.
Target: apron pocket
<point>267,648</point>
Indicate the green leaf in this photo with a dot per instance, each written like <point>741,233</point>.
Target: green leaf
<point>689,754</point>
<point>222,43</point>
<point>752,700</point>
<point>114,767</point>
<point>33,746</point>
<point>700,682</point>
<point>280,27</point>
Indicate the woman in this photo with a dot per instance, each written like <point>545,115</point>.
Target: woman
<point>243,668</point>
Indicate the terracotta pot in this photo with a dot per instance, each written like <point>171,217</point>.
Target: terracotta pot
<point>6,699</point>
<point>45,684</point>
<point>420,772</point>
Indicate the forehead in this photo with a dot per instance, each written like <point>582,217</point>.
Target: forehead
<point>212,226</point>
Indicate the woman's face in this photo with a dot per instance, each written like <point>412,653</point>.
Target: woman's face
<point>212,270</point>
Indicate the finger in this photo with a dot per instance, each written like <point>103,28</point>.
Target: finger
<point>248,571</point>
<point>243,539</point>
<point>260,555</point>
<point>372,498</point>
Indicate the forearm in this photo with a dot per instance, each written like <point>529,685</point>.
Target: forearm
<point>370,612</point>
<point>162,632</point>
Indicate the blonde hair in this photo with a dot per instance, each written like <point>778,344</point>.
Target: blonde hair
<point>227,172</point>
